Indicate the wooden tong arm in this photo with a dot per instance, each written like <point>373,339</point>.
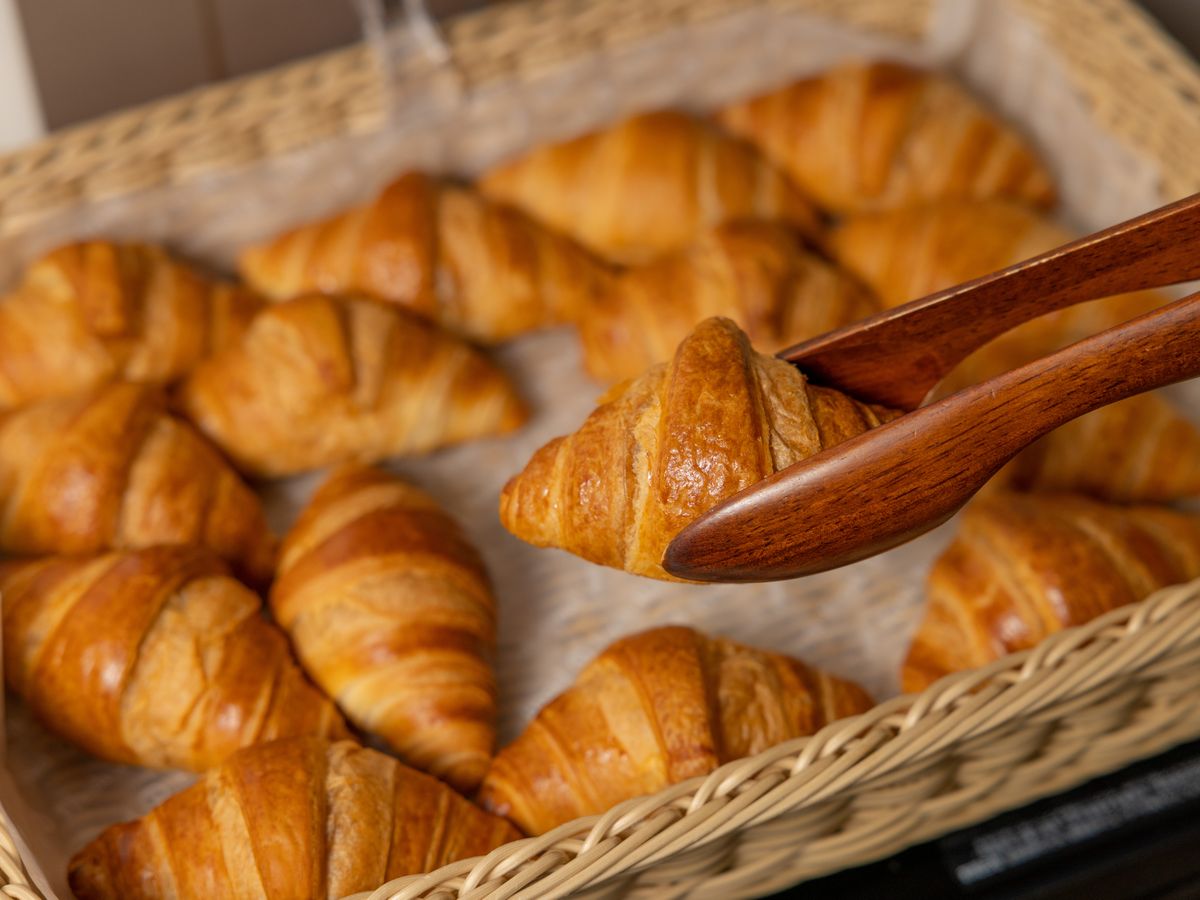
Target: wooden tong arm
<point>897,481</point>
<point>897,357</point>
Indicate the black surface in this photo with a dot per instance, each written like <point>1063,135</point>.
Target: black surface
<point>1132,834</point>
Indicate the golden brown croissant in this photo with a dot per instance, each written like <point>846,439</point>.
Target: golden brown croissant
<point>908,253</point>
<point>322,380</point>
<point>1141,449</point>
<point>153,657</point>
<point>756,273</point>
<point>113,470</point>
<point>391,612</point>
<point>882,135</point>
<point>94,312</point>
<point>1023,567</point>
<point>650,711</point>
<point>299,819</point>
<point>672,444</point>
<point>444,251</point>
<point>647,186</point>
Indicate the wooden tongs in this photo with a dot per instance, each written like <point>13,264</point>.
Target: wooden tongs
<point>904,478</point>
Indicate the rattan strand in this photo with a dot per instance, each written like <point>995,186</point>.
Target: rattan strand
<point>1082,703</point>
<point>15,882</point>
<point>1085,701</point>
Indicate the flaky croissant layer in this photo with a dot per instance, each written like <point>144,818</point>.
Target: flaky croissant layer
<point>321,380</point>
<point>1024,567</point>
<point>440,250</point>
<point>881,135</point>
<point>392,613</point>
<point>299,819</point>
<point>112,469</point>
<point>153,657</point>
<point>1140,450</point>
<point>647,186</point>
<point>672,444</point>
<point>94,312</point>
<point>758,274</point>
<point>652,710</point>
<point>908,253</point>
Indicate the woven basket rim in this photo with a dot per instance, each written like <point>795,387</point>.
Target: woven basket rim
<point>900,732</point>
<point>235,123</point>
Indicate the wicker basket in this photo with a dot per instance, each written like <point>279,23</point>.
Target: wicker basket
<point>1083,703</point>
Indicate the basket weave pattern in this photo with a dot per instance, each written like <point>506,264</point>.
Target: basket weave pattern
<point>1128,72</point>
<point>1083,703</point>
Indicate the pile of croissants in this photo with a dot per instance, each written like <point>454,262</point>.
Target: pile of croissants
<point>137,390</point>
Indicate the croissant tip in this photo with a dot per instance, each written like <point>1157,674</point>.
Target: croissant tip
<point>90,873</point>
<point>84,878</point>
<point>490,799</point>
<point>466,777</point>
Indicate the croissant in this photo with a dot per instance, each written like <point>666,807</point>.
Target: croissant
<point>652,710</point>
<point>672,444</point>
<point>293,819</point>
<point>153,657</point>
<point>1138,450</point>
<point>391,611</point>
<point>94,312</point>
<point>1024,567</point>
<point>443,251</point>
<point>756,273</point>
<point>881,135</point>
<point>1141,450</point>
<point>647,186</point>
<point>112,469</point>
<point>322,380</point>
<point>908,253</point>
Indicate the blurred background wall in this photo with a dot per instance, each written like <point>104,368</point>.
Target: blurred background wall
<point>64,61</point>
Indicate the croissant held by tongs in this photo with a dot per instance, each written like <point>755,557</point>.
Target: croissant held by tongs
<point>720,465</point>
<point>881,489</point>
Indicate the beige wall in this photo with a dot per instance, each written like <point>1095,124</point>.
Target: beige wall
<point>92,56</point>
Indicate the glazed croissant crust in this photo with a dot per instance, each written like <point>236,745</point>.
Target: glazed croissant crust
<point>94,312</point>
<point>672,444</point>
<point>299,819</point>
<point>908,253</point>
<point>321,380</point>
<point>391,612</point>
<point>441,250</point>
<point>114,470</point>
<point>650,711</point>
<point>882,135</point>
<point>756,273</point>
<point>153,657</point>
<point>647,186</point>
<point>1024,567</point>
<point>1139,450</point>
